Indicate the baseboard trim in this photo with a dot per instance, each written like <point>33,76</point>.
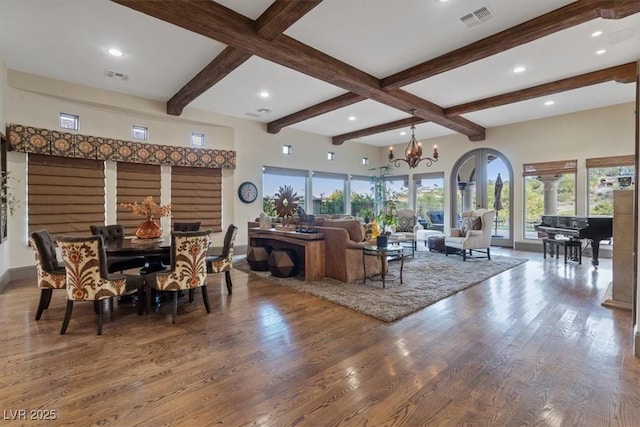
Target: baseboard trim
<point>612,303</point>
<point>4,281</point>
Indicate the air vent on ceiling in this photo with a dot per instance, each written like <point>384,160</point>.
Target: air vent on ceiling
<point>263,110</point>
<point>477,17</point>
<point>116,75</point>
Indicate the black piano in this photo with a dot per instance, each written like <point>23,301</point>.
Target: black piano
<point>594,228</point>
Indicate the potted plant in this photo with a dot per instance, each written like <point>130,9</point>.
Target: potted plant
<point>366,215</point>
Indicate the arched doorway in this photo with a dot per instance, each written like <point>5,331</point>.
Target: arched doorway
<point>473,185</point>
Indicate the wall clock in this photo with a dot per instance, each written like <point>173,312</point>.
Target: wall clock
<point>248,192</point>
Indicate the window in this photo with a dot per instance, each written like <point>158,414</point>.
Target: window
<point>399,187</point>
<point>197,139</point>
<point>69,121</point>
<point>65,195</point>
<point>273,178</point>
<point>362,205</point>
<point>287,149</point>
<point>552,183</point>
<point>140,132</point>
<point>133,184</point>
<point>365,161</point>
<point>196,195</point>
<point>331,155</point>
<point>328,193</point>
<point>605,175</point>
<point>428,193</point>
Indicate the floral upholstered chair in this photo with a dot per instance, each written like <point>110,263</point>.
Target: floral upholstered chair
<point>88,278</point>
<point>224,261</point>
<point>188,268</point>
<point>51,274</point>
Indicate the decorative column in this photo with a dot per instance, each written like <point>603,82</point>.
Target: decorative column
<point>550,201</point>
<point>466,191</point>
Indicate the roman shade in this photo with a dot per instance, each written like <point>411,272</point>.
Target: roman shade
<point>610,162</point>
<point>135,182</point>
<point>66,195</point>
<point>550,168</point>
<point>196,195</point>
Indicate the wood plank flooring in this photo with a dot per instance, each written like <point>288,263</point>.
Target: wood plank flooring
<point>531,346</point>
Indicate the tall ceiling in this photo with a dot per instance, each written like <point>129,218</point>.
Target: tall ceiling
<point>350,69</point>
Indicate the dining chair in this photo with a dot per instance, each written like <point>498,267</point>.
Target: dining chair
<point>88,278</point>
<point>114,233</point>
<point>182,226</point>
<point>188,268</point>
<point>50,273</point>
<point>224,261</point>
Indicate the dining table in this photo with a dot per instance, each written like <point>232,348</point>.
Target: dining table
<point>154,250</point>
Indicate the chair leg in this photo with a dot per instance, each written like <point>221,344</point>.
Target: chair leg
<point>49,293</point>
<point>446,250</point>
<point>174,312</point>
<point>100,312</point>
<point>141,301</point>
<point>464,255</point>
<point>45,296</point>
<point>67,316</point>
<point>95,306</point>
<point>209,267</point>
<point>148,292</point>
<point>205,298</point>
<point>191,292</point>
<point>227,278</point>
<point>489,253</point>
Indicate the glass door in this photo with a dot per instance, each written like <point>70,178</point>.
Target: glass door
<point>483,178</point>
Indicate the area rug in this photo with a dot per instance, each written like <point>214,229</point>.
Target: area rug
<point>428,278</point>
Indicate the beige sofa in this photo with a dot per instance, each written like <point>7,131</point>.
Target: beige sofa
<point>344,240</point>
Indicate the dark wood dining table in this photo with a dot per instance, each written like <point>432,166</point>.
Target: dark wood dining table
<point>152,249</point>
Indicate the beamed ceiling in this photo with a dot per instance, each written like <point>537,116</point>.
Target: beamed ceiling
<point>322,61</point>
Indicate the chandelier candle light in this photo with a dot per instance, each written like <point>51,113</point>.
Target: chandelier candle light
<point>413,153</point>
<point>149,229</point>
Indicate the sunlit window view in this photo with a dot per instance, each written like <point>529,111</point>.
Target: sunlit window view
<point>563,202</point>
<point>603,182</point>
<point>275,178</point>
<point>398,186</point>
<point>328,193</point>
<point>362,199</point>
<point>429,197</point>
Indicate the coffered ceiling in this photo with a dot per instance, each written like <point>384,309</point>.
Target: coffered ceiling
<point>349,69</point>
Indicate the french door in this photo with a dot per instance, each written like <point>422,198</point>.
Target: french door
<point>483,178</point>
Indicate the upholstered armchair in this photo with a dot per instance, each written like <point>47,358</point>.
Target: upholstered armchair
<point>407,225</point>
<point>115,233</point>
<point>474,234</point>
<point>88,279</point>
<point>224,261</point>
<point>51,274</point>
<point>188,268</point>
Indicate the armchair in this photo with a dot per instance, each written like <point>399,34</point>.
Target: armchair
<point>51,274</point>
<point>474,234</point>
<point>408,225</point>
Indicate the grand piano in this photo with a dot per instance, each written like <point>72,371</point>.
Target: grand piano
<point>594,228</point>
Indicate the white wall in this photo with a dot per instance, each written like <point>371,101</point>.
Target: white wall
<point>4,247</point>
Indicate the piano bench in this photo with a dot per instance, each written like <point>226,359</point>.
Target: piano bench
<point>572,249</point>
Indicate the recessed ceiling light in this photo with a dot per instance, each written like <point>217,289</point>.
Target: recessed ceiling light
<point>596,33</point>
<point>352,118</point>
<point>548,103</point>
<point>601,51</point>
<point>403,133</point>
<point>264,94</point>
<point>115,52</point>
<point>519,69</point>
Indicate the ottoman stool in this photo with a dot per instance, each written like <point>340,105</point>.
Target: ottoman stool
<point>257,258</point>
<point>283,262</point>
<point>436,243</point>
<point>423,235</point>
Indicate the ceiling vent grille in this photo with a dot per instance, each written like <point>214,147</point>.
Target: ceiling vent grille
<point>116,75</point>
<point>477,17</point>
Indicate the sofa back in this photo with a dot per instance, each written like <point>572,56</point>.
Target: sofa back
<point>354,229</point>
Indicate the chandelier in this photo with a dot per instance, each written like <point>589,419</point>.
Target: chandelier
<point>413,153</point>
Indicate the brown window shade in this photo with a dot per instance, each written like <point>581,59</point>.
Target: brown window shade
<point>550,168</point>
<point>135,182</point>
<point>196,195</point>
<point>609,162</point>
<point>65,195</point>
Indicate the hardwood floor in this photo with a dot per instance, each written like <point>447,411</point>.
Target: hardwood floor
<point>531,346</point>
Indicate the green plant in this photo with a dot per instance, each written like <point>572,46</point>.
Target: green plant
<point>385,199</point>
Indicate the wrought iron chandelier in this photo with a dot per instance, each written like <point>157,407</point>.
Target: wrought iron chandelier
<point>413,153</point>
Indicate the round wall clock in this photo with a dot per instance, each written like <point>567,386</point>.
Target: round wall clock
<point>248,192</point>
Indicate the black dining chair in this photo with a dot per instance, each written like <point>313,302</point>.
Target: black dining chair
<point>113,233</point>
<point>51,273</point>
<point>224,261</point>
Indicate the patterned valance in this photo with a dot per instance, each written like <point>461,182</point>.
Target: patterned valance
<point>29,139</point>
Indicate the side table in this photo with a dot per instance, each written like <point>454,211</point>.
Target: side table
<point>392,251</point>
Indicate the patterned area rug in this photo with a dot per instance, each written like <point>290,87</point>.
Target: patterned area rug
<point>428,278</point>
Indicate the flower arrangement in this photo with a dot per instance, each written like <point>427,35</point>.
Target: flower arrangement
<point>5,195</point>
<point>148,208</point>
